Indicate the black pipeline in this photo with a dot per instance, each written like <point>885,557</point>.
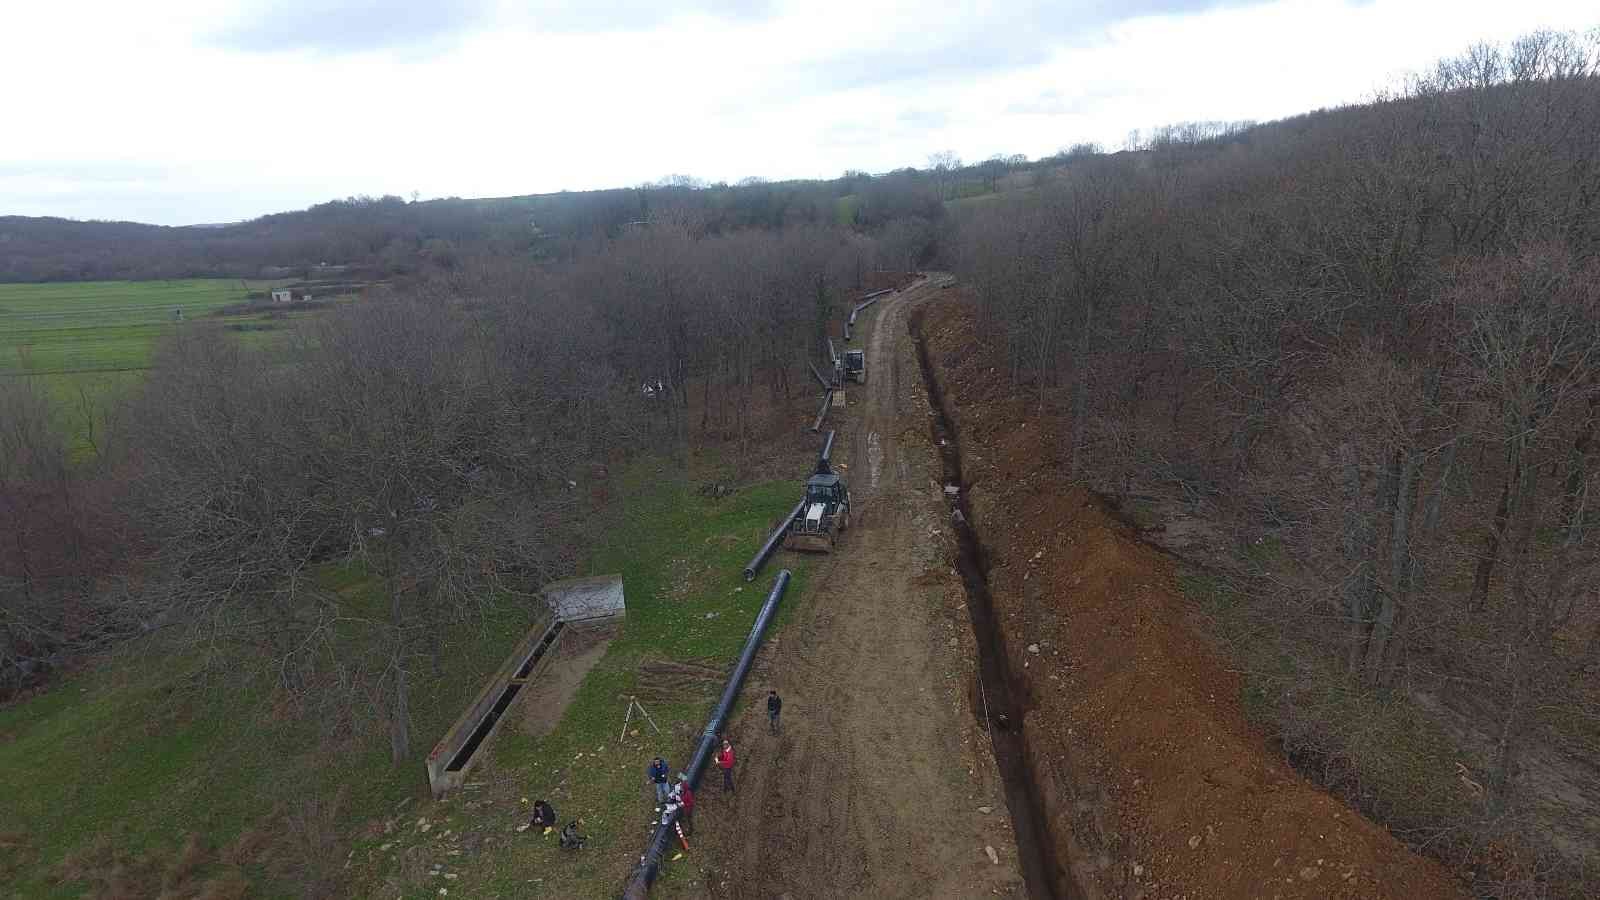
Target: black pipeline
<point>650,861</point>
<point>871,299</point>
<point>754,565</point>
<point>824,456</point>
<point>822,413</point>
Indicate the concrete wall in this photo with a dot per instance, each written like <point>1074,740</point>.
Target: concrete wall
<point>577,601</point>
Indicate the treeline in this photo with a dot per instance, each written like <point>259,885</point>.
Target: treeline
<point>442,443</point>
<point>1366,342</point>
<point>385,237</point>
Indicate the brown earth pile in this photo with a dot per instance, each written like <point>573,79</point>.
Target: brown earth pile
<point>1155,783</point>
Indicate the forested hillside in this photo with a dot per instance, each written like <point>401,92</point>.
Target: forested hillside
<point>1355,358</point>
<point>388,236</point>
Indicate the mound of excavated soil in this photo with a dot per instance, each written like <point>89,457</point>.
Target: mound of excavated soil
<point>1155,783</point>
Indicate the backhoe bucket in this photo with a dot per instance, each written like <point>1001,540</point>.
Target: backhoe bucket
<point>808,543</point>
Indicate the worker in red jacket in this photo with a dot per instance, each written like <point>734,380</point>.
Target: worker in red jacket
<point>725,762</point>
<point>684,796</point>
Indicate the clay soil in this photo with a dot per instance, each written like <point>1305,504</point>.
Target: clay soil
<point>1155,784</point>
<point>881,783</point>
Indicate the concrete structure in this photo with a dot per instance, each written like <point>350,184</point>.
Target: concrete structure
<point>576,601</point>
<point>282,295</point>
<point>594,599</point>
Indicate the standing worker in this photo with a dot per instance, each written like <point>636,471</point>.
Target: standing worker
<point>658,777</point>
<point>725,762</point>
<point>774,708</point>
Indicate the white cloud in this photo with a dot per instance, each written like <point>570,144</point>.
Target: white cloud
<point>180,111</point>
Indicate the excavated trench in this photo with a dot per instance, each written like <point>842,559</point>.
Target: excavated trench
<point>1003,698</point>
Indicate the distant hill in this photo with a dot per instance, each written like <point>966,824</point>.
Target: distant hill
<point>386,236</point>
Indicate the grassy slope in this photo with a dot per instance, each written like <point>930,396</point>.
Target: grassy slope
<point>116,752</point>
<point>680,557</point>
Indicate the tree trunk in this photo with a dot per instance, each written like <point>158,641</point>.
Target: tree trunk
<point>1431,512</point>
<point>400,716</point>
<point>1393,596</point>
<point>1080,389</point>
<point>1491,547</point>
<point>1358,551</point>
<point>400,712</point>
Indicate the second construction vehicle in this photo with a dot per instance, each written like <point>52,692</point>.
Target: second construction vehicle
<point>855,366</point>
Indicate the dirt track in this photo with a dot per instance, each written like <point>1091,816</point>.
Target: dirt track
<point>874,787</point>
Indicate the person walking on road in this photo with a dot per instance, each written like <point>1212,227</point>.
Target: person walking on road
<point>725,763</point>
<point>658,777</point>
<point>774,709</point>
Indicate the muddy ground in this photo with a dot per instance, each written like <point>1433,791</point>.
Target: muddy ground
<point>1155,784</point>
<point>881,783</point>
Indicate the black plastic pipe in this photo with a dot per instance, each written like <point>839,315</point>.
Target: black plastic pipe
<point>825,455</point>
<point>644,876</point>
<point>755,563</point>
<point>820,380</point>
<point>827,400</point>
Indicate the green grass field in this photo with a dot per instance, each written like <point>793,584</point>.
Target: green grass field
<point>85,343</point>
<point>99,326</point>
<point>124,756</point>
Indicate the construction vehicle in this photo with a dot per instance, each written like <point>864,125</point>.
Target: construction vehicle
<point>855,366</point>
<point>825,510</point>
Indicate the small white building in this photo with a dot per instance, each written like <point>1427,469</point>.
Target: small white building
<point>282,295</point>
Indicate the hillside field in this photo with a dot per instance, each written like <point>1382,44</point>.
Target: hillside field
<point>86,342</point>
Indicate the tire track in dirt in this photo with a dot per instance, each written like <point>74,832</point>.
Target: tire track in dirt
<point>874,786</point>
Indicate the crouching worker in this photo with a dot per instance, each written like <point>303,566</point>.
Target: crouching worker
<point>683,795</point>
<point>570,838</point>
<point>544,816</point>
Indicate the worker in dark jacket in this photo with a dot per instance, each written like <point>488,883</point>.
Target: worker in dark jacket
<point>658,777</point>
<point>774,709</point>
<point>725,763</point>
<point>544,815</point>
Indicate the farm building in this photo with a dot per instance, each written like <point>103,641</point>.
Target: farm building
<point>282,296</point>
<point>290,295</point>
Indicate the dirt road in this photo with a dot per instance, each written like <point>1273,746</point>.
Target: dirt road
<point>876,785</point>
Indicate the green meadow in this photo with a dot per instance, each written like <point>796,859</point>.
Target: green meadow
<point>86,342</point>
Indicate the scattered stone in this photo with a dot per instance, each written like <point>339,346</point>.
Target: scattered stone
<point>1137,870</point>
<point>994,858</point>
<point>1033,648</point>
<point>451,876</point>
<point>986,809</point>
<point>1310,873</point>
<point>385,847</point>
<point>711,615</point>
<point>1194,842</point>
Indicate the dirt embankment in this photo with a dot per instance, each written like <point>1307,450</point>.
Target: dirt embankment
<point>1153,782</point>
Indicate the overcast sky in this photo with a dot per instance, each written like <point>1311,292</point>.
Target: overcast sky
<point>188,111</point>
